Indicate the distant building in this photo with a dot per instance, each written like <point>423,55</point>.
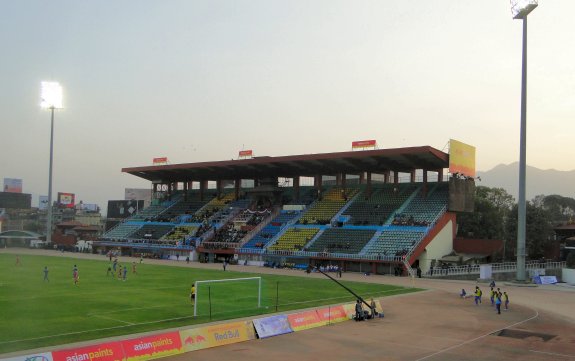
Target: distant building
<point>11,200</point>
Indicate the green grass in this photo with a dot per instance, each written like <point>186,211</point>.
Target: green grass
<point>35,313</point>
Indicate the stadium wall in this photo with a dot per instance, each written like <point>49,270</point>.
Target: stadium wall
<point>439,246</point>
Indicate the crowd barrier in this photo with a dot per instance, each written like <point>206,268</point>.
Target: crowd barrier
<point>198,338</point>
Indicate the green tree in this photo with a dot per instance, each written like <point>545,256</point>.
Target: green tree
<point>488,220</point>
<point>561,209</point>
<point>538,234</point>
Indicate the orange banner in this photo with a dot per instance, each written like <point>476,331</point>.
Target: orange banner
<point>461,158</point>
<point>304,320</point>
<point>349,309</point>
<point>151,347</point>
<point>217,335</point>
<point>246,153</point>
<point>332,314</point>
<point>110,351</point>
<point>363,143</point>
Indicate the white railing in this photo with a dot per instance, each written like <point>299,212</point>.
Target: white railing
<point>495,268</point>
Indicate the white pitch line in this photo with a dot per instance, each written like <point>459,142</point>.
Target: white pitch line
<point>94,330</point>
<point>479,337</point>
<point>113,319</point>
<point>553,353</point>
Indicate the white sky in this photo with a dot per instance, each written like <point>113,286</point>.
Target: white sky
<point>200,80</point>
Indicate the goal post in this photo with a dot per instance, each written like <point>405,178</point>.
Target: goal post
<point>202,290</point>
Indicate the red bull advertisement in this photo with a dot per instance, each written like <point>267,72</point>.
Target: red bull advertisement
<point>216,335</point>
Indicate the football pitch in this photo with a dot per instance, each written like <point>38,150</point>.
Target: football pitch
<point>39,313</point>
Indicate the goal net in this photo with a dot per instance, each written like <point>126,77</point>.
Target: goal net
<point>227,296</point>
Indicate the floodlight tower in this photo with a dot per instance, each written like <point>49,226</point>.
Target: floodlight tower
<point>50,98</point>
<point>520,9</point>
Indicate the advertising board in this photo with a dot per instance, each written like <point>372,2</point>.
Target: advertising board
<point>461,158</point>
<point>109,351</point>
<point>66,200</point>
<point>217,335</point>
<point>272,326</point>
<point>151,347</point>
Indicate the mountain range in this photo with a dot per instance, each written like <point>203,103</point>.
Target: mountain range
<point>538,181</point>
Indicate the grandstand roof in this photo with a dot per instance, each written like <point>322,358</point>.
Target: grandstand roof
<point>351,162</point>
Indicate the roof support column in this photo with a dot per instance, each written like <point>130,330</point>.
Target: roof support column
<point>395,177</point>
<point>318,184</point>
<point>386,176</point>
<point>361,177</point>
<point>368,190</point>
<point>219,188</point>
<point>296,187</point>
<point>203,187</point>
<point>343,182</point>
<point>186,184</point>
<point>440,175</point>
<point>412,176</point>
<point>338,179</point>
<point>237,184</point>
<point>425,183</point>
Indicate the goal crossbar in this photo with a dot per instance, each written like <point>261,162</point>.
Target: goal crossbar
<point>197,283</point>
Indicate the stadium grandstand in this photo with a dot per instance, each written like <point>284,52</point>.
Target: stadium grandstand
<point>371,211</point>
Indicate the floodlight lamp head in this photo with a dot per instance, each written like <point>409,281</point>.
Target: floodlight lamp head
<point>521,8</point>
<point>51,95</point>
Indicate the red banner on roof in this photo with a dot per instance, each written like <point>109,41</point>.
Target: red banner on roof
<point>363,143</point>
<point>246,153</point>
<point>160,160</point>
